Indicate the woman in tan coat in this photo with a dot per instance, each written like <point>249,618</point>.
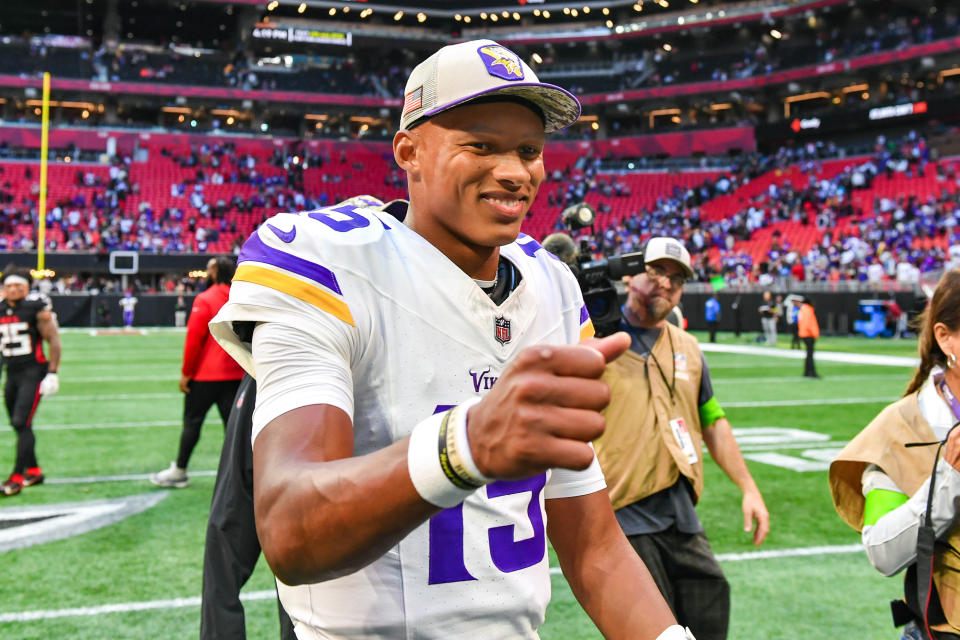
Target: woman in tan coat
<point>882,488</point>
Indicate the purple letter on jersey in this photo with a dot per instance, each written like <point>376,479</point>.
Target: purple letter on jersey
<point>509,554</point>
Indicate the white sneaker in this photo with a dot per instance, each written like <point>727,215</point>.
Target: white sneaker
<point>172,477</point>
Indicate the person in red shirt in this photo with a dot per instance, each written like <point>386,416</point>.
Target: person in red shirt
<point>209,376</point>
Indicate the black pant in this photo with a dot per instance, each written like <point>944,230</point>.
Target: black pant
<point>196,404</point>
<point>21,394</point>
<point>712,327</point>
<point>232,547</point>
<point>795,342</point>
<point>809,370</point>
<point>690,579</point>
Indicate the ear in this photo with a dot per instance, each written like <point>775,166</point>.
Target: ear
<point>944,337</point>
<point>405,145</point>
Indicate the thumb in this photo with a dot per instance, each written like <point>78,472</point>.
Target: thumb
<point>610,347</point>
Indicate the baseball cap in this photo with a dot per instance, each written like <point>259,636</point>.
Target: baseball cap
<point>663,248</point>
<point>462,72</point>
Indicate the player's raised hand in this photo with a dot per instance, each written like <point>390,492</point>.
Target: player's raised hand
<point>544,410</point>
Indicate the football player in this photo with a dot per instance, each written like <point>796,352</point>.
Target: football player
<point>424,410</point>
<point>26,321</point>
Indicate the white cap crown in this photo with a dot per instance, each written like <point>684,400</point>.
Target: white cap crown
<point>462,72</point>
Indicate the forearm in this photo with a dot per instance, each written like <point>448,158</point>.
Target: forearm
<point>54,355</point>
<point>891,543</point>
<point>611,588</point>
<point>724,450</point>
<point>320,520</point>
<point>606,575</point>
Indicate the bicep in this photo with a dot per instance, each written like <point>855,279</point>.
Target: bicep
<point>46,325</point>
<point>297,368</point>
<point>579,524</point>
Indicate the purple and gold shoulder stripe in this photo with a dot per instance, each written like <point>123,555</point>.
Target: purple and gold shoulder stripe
<point>287,273</point>
<point>586,324</point>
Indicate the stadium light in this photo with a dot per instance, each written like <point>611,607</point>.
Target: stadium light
<point>609,24</point>
<point>458,17</point>
<point>483,15</point>
<point>505,13</point>
<point>536,12</point>
<point>546,14</point>
<point>273,5</point>
<point>586,10</point>
<point>302,7</point>
<point>776,34</point>
<point>466,19</point>
<point>606,11</point>
<point>398,15</point>
<point>421,17</point>
<point>516,16</point>
<point>566,11</point>
<point>494,17</point>
<point>536,58</point>
<point>667,47</point>
<point>574,13</point>
<point>332,11</point>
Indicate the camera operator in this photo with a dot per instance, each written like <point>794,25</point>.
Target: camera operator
<point>661,410</point>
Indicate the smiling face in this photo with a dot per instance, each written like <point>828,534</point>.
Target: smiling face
<point>473,173</point>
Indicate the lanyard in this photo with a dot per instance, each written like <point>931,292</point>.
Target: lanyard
<point>672,385</point>
<point>951,399</point>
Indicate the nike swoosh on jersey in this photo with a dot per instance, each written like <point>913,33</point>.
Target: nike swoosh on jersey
<point>286,236</point>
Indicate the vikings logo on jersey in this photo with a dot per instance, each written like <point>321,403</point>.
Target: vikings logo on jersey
<point>501,62</point>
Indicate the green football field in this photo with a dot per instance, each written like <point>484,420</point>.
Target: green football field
<point>117,419</point>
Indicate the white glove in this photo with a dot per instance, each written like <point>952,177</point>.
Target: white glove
<point>49,385</point>
<point>676,632</point>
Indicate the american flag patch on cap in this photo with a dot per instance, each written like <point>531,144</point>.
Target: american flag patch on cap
<point>413,100</point>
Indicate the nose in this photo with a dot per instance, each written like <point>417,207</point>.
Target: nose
<point>511,171</point>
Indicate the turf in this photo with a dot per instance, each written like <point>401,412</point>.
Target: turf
<point>118,412</point>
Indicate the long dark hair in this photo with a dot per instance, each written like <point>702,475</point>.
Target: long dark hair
<point>943,307</point>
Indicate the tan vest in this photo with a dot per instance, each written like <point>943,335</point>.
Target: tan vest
<point>881,443</point>
<point>638,451</point>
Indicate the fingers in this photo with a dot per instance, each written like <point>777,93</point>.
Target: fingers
<point>564,391</point>
<point>611,347</point>
<point>585,360</point>
<point>763,528</point>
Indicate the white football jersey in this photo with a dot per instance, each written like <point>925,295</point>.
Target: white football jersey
<point>419,336</point>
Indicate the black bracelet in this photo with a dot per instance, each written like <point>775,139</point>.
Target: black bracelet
<point>445,464</point>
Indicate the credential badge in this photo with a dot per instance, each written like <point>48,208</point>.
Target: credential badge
<point>501,330</point>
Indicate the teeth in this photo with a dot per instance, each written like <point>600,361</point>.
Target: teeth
<point>504,203</point>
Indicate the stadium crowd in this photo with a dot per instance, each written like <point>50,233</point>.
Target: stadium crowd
<point>855,242</point>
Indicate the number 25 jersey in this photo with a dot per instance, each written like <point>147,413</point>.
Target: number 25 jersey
<point>20,342</point>
<point>419,336</point>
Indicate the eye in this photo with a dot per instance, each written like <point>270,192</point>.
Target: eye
<point>480,146</point>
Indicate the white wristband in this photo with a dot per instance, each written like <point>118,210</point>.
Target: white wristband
<point>463,441</point>
<point>423,463</point>
<point>676,632</point>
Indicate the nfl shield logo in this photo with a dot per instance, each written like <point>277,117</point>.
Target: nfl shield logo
<point>501,330</point>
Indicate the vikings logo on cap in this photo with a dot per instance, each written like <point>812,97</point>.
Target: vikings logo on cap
<point>501,62</point>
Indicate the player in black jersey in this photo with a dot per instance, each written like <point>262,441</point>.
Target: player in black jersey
<point>26,321</point>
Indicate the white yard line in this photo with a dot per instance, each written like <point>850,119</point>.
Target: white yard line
<point>177,603</point>
<point>809,402</point>
<point>819,356</point>
<point>798,379</point>
<point>103,425</point>
<point>120,478</point>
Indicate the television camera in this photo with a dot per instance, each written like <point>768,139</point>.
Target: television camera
<point>596,277</point>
